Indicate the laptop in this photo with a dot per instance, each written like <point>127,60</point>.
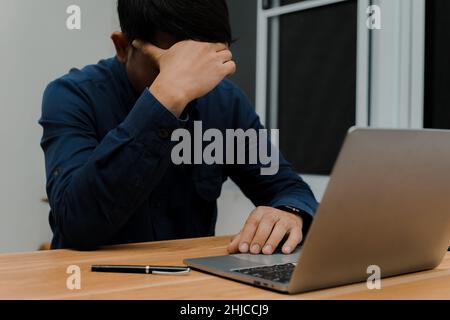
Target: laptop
<point>387,205</point>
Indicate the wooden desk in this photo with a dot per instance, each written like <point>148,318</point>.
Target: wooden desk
<point>42,275</point>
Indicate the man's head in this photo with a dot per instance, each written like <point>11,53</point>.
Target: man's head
<point>164,23</point>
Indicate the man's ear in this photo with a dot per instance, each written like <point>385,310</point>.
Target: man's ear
<point>122,46</point>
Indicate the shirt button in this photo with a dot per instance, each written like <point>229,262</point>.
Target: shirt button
<point>163,133</point>
<point>57,172</point>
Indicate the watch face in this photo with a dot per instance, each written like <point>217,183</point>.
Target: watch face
<point>291,209</point>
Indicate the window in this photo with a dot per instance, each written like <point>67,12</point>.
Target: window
<point>312,71</point>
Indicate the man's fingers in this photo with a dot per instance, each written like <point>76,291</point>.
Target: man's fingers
<point>148,48</point>
<point>225,55</point>
<point>247,236</point>
<point>277,235</point>
<point>249,231</point>
<point>220,46</point>
<point>295,237</point>
<point>229,68</point>
<point>235,237</point>
<point>233,246</point>
<point>263,233</point>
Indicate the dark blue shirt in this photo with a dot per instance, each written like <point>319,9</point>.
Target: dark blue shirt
<point>110,178</point>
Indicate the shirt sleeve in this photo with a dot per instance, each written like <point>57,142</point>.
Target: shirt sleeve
<point>285,188</point>
<point>94,187</point>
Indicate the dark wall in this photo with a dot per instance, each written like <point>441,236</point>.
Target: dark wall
<point>243,21</point>
<point>437,65</point>
<point>317,92</point>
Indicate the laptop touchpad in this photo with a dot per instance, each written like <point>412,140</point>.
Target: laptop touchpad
<point>277,258</point>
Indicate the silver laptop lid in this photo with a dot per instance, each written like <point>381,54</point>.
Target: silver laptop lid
<point>387,204</point>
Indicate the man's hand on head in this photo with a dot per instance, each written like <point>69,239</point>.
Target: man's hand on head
<point>188,70</point>
<point>265,230</point>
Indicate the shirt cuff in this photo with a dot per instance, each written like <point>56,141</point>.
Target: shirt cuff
<point>152,124</point>
<point>149,114</point>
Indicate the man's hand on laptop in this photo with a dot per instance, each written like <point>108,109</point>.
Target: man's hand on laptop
<point>188,70</point>
<point>265,230</point>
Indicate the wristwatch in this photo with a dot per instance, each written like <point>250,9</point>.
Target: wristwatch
<point>290,210</point>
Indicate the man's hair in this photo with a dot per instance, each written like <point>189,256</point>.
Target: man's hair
<point>201,20</point>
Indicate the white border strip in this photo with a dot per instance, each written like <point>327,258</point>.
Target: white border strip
<point>363,66</point>
<point>397,83</point>
<point>261,64</point>
<point>418,22</point>
<point>274,68</point>
<point>304,5</point>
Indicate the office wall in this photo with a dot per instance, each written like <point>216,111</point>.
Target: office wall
<point>36,47</point>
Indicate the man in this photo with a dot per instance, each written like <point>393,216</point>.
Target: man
<point>107,139</point>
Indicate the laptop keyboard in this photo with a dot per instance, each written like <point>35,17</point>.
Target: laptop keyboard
<point>278,273</point>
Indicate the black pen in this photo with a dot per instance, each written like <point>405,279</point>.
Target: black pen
<point>158,270</point>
